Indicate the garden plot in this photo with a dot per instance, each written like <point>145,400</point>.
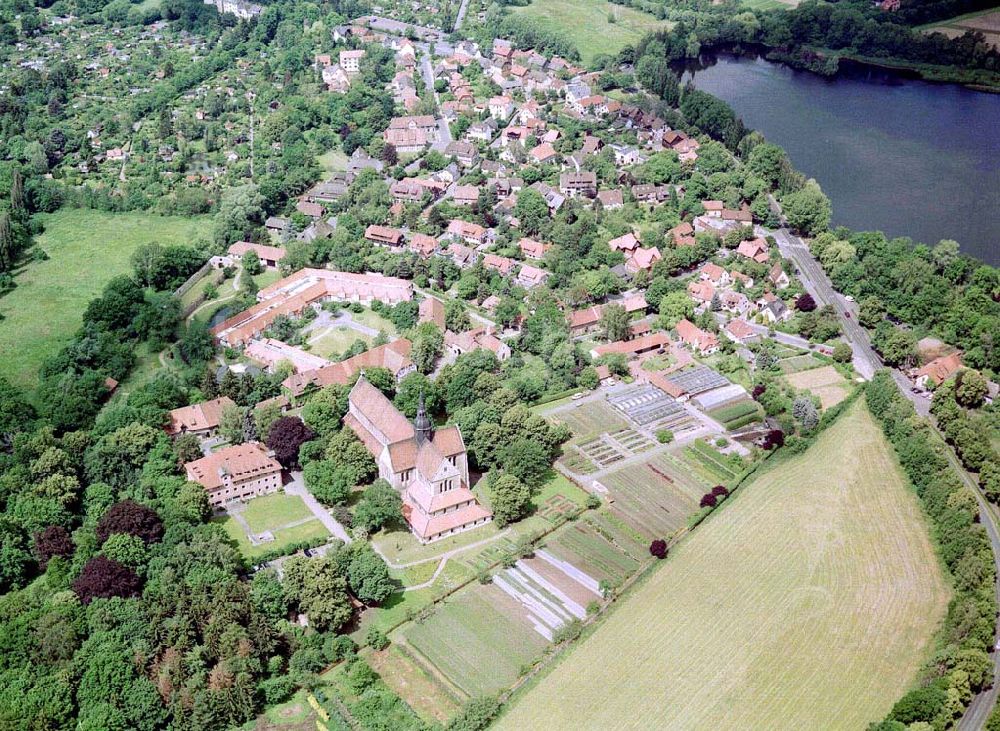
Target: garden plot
<point>798,363</point>
<point>589,419</point>
<point>479,641</point>
<point>601,451</point>
<point>632,440</point>
<point>600,546</point>
<point>654,498</point>
<point>553,592</point>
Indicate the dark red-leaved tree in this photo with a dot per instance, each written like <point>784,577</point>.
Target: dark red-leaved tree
<point>720,491</point>
<point>708,500</point>
<point>286,436</point>
<point>805,303</point>
<point>52,541</point>
<point>658,548</point>
<point>758,390</point>
<point>103,577</point>
<point>130,517</point>
<point>774,438</point>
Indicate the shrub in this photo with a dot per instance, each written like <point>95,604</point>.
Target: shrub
<point>720,491</point>
<point>593,502</point>
<point>708,500</point>
<point>376,638</point>
<point>664,436</point>
<point>277,690</point>
<point>658,548</point>
<point>568,632</point>
<point>338,647</point>
<point>476,715</point>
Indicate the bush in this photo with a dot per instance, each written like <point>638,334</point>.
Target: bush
<point>476,715</point>
<point>720,491</point>
<point>593,502</point>
<point>277,690</point>
<point>338,647</point>
<point>664,436</point>
<point>568,632</point>
<point>376,638</point>
<point>658,548</point>
<point>708,500</point>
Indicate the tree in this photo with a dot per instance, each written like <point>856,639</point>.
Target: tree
<point>708,500</point>
<point>532,212</point>
<point>319,590</point>
<point>132,518</point>
<point>428,342</point>
<point>103,577</point>
<point>231,424</point>
<point>675,307</point>
<point>187,448</point>
<point>379,506</point>
<point>970,388</point>
<point>510,499</point>
<point>328,481</point>
<point>615,322</point>
<point>658,548</point>
<point>251,263</point>
<point>842,352</point>
<point>325,410</point>
<point>805,303</point>
<point>525,459</point>
<point>807,210</point>
<point>287,435</point>
<point>455,316</point>
<point>805,412</point>
<point>51,542</point>
<point>367,574</point>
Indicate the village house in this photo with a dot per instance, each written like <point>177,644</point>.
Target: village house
<point>683,234</point>
<point>611,200</point>
<point>465,195</point>
<point>576,184</point>
<point>739,331</point>
<point>532,249</point>
<point>715,274</point>
<point>773,309</point>
<point>694,337</point>
<point>464,152</point>
<point>462,256</point>
<point>543,153</point>
<point>385,236</point>
<point>642,259</point>
<point>500,264</point>
<point>701,291</point>
<point>350,61</point>
<point>500,107</point>
<point>202,419</point>
<point>466,342</point>
<point>240,472</point>
<point>938,370</point>
<point>422,244</point>
<point>654,342</point>
<point>407,190</point>
<point>270,256</point>
<point>755,250</point>
<point>778,277</point>
<point>428,466</point>
<point>529,276</point>
<point>432,310</point>
<point>471,233</point>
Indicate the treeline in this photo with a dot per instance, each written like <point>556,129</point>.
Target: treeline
<point>965,429</point>
<point>524,34</point>
<point>960,666</point>
<point>935,289</point>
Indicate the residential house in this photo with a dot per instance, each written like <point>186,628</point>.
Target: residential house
<point>578,184</point>
<point>385,236</point>
<point>472,233</point>
<point>610,199</point>
<point>694,337</point>
<point>778,277</point>
<point>432,310</point>
<point>543,153</point>
<point>532,249</point>
<point>350,61</point>
<point>529,276</point>
<point>772,308</point>
<point>465,195</point>
<point>756,249</point>
<point>938,370</point>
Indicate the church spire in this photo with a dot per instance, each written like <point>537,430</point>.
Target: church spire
<point>422,424</point>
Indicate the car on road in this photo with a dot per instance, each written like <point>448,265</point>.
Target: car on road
<point>848,297</point>
<point>308,552</point>
<point>577,396</point>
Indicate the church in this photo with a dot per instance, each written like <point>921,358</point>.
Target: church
<point>428,466</point>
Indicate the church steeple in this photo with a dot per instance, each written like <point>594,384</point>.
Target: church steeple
<point>422,426</point>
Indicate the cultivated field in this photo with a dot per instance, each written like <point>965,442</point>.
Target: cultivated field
<point>585,23</point>
<point>807,602</point>
<point>986,22</point>
<point>86,248</point>
<point>655,497</point>
<point>479,640</point>
<point>825,382</point>
<point>600,545</point>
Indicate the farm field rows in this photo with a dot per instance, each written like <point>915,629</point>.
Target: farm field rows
<point>812,595</point>
<point>86,248</point>
<point>654,497</point>
<point>986,22</point>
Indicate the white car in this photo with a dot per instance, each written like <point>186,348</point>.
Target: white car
<point>848,297</point>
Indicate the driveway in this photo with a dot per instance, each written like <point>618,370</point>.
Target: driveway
<point>298,487</point>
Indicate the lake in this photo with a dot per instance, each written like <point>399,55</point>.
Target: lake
<point>900,155</point>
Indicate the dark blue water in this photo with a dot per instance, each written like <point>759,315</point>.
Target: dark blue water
<point>907,157</point>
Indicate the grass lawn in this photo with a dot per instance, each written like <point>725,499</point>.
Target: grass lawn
<point>809,601</point>
<point>270,511</point>
<point>335,340</point>
<point>333,161</point>
<point>306,531</point>
<point>86,248</point>
<point>825,382</point>
<point>585,23</point>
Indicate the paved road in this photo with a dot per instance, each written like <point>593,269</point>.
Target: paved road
<point>298,487</point>
<point>461,15</point>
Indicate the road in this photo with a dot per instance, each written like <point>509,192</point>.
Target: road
<point>784,338</point>
<point>461,15</point>
<point>982,704</point>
